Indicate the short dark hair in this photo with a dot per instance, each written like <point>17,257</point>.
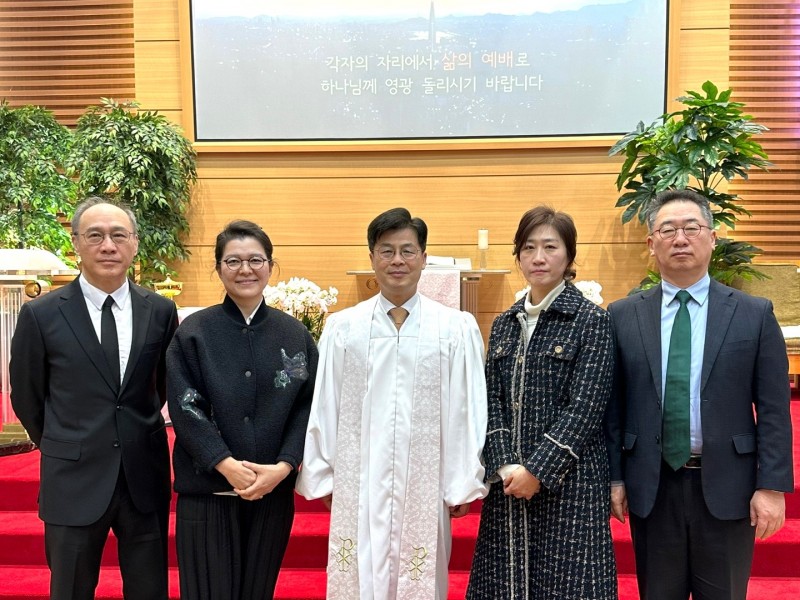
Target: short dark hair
<point>560,221</point>
<point>678,196</point>
<point>239,230</point>
<point>394,220</point>
<point>94,201</point>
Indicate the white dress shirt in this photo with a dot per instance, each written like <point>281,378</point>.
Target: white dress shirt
<point>123,315</point>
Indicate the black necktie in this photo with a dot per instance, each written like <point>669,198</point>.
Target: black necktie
<point>108,338</point>
<point>677,445</point>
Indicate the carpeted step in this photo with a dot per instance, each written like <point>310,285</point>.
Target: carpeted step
<point>31,583</point>
<point>22,541</point>
<point>760,588</point>
<point>23,574</point>
<point>775,557</point>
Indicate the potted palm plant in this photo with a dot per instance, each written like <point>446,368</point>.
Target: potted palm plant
<point>708,142</point>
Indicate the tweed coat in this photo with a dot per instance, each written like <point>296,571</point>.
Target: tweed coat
<point>546,408</point>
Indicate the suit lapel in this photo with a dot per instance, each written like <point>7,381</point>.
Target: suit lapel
<point>648,314</point>
<point>142,309</point>
<point>78,320</point>
<point>721,305</point>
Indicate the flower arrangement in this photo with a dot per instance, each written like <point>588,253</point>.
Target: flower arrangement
<point>590,290</point>
<point>304,300</point>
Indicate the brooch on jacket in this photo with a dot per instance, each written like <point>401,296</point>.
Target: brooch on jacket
<point>293,368</point>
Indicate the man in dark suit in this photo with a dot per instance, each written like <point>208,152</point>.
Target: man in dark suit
<point>88,384</point>
<point>701,455</point>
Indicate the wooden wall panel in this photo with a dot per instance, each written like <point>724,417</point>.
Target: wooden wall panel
<point>160,90</point>
<point>703,57</point>
<point>344,207</point>
<point>156,20</point>
<point>707,14</point>
<point>765,74</point>
<point>66,55</point>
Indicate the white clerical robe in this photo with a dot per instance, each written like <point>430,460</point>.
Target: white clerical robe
<point>386,428</point>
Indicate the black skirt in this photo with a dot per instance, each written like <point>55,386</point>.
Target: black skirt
<point>232,548</point>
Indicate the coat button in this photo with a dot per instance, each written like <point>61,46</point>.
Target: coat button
<point>247,419</point>
<point>247,373</point>
<point>244,330</point>
<point>119,407</point>
<point>658,439</point>
<point>116,443</point>
<point>520,359</point>
<point>558,349</point>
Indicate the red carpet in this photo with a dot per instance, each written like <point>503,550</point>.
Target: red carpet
<point>24,575</point>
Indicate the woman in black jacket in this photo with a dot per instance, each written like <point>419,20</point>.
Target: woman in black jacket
<point>240,382</point>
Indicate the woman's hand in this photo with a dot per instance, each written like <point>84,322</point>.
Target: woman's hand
<point>521,484</point>
<point>238,475</point>
<point>267,478</point>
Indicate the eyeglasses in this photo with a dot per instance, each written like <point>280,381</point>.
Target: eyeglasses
<point>388,254</point>
<point>692,230</point>
<point>255,263</point>
<point>95,238</point>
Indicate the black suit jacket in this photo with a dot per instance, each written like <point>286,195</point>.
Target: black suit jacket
<point>744,394</point>
<point>64,394</point>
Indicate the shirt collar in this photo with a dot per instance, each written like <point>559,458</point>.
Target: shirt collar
<point>249,319</point>
<point>698,291</point>
<point>97,296</point>
<point>409,304</point>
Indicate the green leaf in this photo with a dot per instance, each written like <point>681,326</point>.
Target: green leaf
<point>141,158</point>
<point>709,141</point>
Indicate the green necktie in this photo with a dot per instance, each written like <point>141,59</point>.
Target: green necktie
<point>677,446</point>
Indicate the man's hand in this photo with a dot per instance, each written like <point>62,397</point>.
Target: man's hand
<point>521,484</point>
<point>458,511</point>
<point>619,502</point>
<point>236,473</point>
<point>767,512</point>
<point>327,501</point>
<point>267,478</point>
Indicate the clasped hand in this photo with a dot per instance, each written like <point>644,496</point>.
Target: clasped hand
<point>253,481</point>
<point>521,484</point>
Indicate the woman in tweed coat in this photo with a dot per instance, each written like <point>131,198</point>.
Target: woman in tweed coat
<point>544,531</point>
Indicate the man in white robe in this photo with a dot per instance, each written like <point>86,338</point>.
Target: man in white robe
<point>397,427</point>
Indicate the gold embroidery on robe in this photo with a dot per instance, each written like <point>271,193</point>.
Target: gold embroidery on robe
<point>417,564</point>
<point>345,554</point>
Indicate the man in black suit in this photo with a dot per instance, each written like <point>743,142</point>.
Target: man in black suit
<point>698,493</point>
<point>88,384</point>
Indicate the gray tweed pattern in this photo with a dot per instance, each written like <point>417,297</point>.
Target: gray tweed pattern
<point>546,407</point>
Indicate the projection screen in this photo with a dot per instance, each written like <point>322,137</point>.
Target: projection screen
<point>421,69</point>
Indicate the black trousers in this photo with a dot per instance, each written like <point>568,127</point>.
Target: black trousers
<point>682,549</point>
<point>232,548</point>
<point>74,553</point>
